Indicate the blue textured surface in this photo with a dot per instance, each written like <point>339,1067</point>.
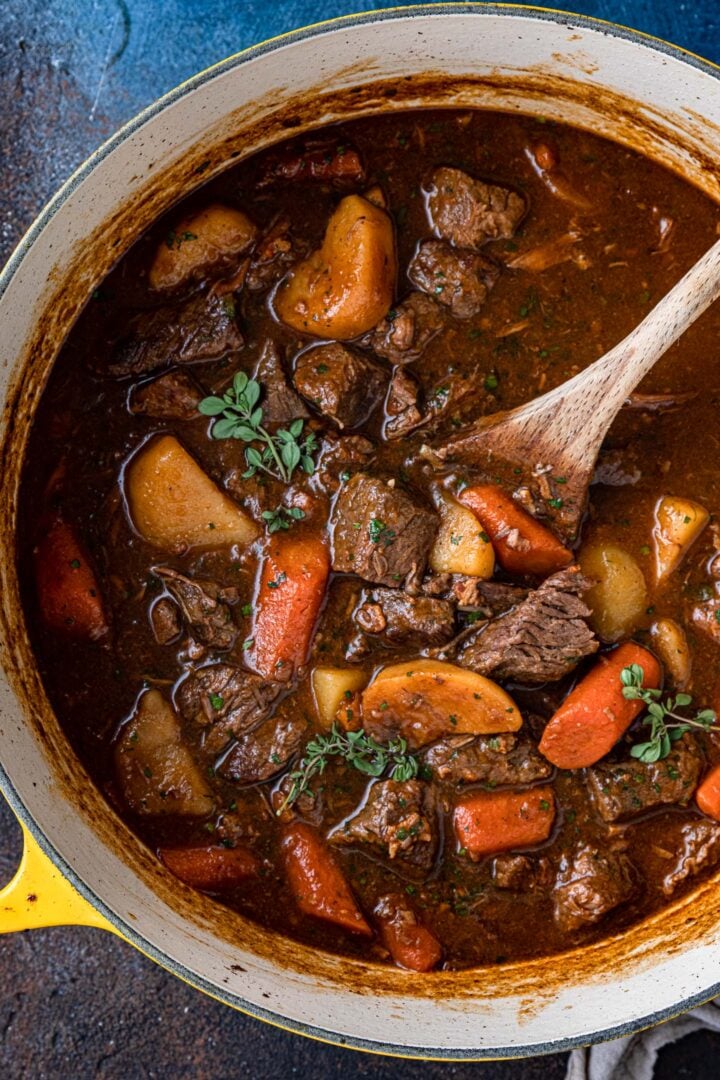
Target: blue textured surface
<point>74,1003</point>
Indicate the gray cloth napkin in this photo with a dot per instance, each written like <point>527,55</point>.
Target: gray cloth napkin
<point>634,1058</point>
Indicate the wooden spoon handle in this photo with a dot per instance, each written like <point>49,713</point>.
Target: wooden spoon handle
<point>589,402</point>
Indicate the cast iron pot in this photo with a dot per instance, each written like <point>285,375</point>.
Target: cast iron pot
<point>81,863</point>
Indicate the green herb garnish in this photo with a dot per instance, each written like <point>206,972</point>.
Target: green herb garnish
<point>662,733</point>
<point>357,749</point>
<point>238,416</point>
<point>282,517</point>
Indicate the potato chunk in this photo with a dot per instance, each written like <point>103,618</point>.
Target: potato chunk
<point>215,238</point>
<point>331,687</point>
<point>461,544</point>
<point>346,286</point>
<point>174,505</point>
<point>678,523</point>
<point>619,599</point>
<point>156,771</point>
<point>670,642</point>
<point>422,700</point>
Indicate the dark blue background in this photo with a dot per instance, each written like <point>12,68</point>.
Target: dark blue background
<point>75,1003</point>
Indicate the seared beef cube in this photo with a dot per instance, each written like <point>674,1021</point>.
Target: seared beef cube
<point>165,621</point>
<point>263,753</point>
<point>623,789</point>
<point>203,328</point>
<point>513,872</point>
<point>280,403</point>
<point>540,640</point>
<point>406,329</point>
<point>341,383</point>
<point>230,699</point>
<point>489,597</point>
<point>398,823</point>
<point>313,160</point>
<point>591,883</point>
<point>400,619</point>
<point>468,212</point>
<point>458,279</point>
<point>700,850</point>
<point>380,531</point>
<point>490,759</point>
<point>205,607</point>
<point>339,457</point>
<point>274,255</point>
<point>174,396</point>
<point>401,405</point>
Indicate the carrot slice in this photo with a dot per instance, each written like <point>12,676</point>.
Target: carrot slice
<point>212,868</point>
<point>316,881</point>
<point>522,544</point>
<point>595,715</point>
<point>68,591</point>
<point>707,795</point>
<point>292,587</point>
<point>502,820</point>
<point>410,944</point>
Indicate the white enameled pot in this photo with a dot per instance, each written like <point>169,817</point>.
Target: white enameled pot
<point>81,863</point>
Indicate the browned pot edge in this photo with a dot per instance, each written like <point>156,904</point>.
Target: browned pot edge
<point>690,921</point>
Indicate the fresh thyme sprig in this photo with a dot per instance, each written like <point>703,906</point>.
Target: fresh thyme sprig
<point>359,750</point>
<point>662,733</point>
<point>282,517</point>
<point>238,416</point>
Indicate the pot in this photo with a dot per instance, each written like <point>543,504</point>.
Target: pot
<point>81,863</point>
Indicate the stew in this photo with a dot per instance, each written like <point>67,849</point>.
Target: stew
<point>379,704</point>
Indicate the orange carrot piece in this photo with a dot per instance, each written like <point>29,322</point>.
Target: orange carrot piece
<point>503,820</point>
<point>292,588</point>
<point>212,868</point>
<point>595,715</point>
<point>316,881</point>
<point>707,795</point>
<point>410,944</point>
<point>68,591</point>
<point>522,545</point>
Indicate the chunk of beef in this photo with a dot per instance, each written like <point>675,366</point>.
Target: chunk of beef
<point>700,850</point>
<point>487,598</point>
<point>406,330</point>
<point>623,789</point>
<point>398,823</point>
<point>540,640</point>
<point>275,253</point>
<point>468,212</point>
<point>174,396</point>
<point>513,872</point>
<point>340,382</point>
<point>591,883</point>
<point>264,752</point>
<point>400,619</point>
<point>203,328</point>
<point>401,405</point>
<point>487,759</point>
<point>280,403</point>
<point>381,532</point>
<point>165,621</point>
<point>205,607</point>
<point>229,700</point>
<point>460,280</point>
<point>339,457</point>
<point>333,162</point>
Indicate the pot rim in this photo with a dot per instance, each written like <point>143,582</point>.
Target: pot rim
<point>124,929</point>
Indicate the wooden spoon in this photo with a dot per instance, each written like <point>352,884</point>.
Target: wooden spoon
<point>560,433</point>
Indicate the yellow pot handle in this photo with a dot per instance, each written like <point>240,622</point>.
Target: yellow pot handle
<point>40,896</point>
